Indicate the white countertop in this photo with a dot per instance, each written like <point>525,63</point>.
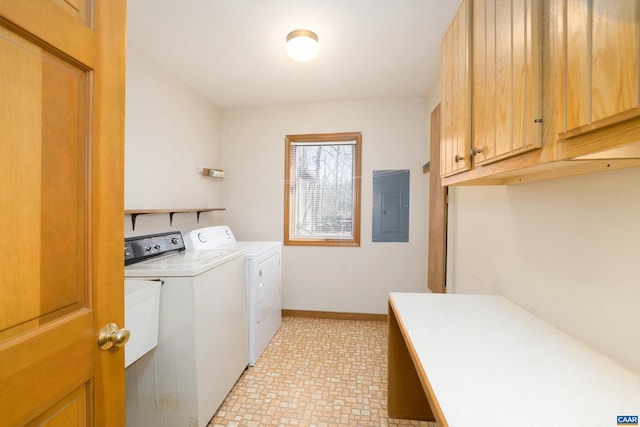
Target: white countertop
<point>492,363</point>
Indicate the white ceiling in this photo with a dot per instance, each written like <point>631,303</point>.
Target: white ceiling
<point>232,51</point>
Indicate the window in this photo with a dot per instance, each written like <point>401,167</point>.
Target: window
<point>322,189</point>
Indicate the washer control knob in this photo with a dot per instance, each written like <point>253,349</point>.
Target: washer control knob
<point>174,240</point>
<point>148,249</point>
<point>202,237</point>
<point>157,247</point>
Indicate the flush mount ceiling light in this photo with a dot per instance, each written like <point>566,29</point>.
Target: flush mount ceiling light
<point>302,45</point>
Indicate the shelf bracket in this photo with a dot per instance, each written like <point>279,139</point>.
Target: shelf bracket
<point>133,221</point>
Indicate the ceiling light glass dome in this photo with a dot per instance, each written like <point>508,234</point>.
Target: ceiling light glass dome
<point>302,45</point>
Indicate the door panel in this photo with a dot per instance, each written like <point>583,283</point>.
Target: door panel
<point>44,156</point>
<point>20,305</point>
<point>77,8</point>
<point>63,220</point>
<point>41,367</point>
<point>67,412</point>
<point>61,142</point>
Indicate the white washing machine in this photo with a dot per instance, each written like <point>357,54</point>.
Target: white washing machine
<point>264,278</point>
<point>202,347</point>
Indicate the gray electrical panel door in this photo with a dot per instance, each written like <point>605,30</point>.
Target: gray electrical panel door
<point>391,206</point>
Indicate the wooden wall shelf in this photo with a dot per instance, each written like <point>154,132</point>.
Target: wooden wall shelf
<point>135,212</point>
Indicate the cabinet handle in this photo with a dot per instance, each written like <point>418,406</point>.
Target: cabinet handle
<point>475,151</point>
<point>457,158</point>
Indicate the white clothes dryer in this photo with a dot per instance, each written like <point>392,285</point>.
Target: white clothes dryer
<point>263,276</point>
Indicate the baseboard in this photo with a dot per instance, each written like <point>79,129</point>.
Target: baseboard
<point>334,315</point>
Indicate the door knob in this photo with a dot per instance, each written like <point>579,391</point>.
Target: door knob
<point>111,336</point>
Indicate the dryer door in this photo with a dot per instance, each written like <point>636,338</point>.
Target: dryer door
<point>265,308</point>
<point>269,278</point>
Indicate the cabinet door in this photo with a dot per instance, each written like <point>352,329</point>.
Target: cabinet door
<point>601,75</point>
<point>456,94</point>
<point>507,78</point>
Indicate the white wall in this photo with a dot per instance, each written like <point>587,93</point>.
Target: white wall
<point>335,278</point>
<point>431,101</point>
<point>170,130</point>
<point>566,249</point>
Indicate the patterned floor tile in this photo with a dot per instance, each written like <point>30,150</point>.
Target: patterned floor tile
<point>316,373</point>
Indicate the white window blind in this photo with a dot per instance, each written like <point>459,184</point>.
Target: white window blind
<point>322,190</point>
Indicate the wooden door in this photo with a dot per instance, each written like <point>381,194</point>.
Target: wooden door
<point>456,94</point>
<point>437,262</point>
<point>507,78</point>
<point>61,210</point>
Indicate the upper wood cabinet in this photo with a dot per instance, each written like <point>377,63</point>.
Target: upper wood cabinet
<point>506,92</point>
<point>600,77</point>
<point>456,94</point>
<point>549,88</point>
<point>491,83</point>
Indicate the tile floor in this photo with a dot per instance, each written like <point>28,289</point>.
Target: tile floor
<point>316,373</point>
